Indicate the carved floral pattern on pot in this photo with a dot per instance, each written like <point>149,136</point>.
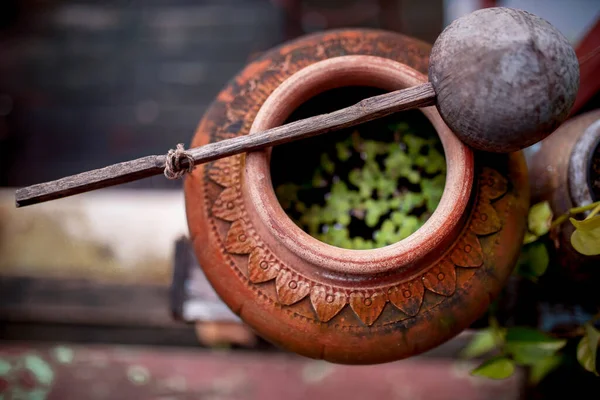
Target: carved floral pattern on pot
<point>291,287</point>
<point>348,306</point>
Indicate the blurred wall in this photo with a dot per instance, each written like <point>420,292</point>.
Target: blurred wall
<point>88,83</point>
<point>85,83</point>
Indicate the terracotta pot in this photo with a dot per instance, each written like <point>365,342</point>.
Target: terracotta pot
<point>348,306</point>
<point>560,168</point>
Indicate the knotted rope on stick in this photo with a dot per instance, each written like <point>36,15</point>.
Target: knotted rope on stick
<point>173,168</point>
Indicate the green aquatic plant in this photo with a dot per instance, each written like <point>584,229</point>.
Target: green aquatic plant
<point>369,191</point>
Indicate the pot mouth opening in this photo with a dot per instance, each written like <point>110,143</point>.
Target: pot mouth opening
<point>364,187</point>
<point>426,244</point>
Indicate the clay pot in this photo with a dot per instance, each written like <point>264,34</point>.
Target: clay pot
<point>348,306</point>
<point>561,173</point>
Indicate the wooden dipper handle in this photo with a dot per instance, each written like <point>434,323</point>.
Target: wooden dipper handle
<point>366,110</point>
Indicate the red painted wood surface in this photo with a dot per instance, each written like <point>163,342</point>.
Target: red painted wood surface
<point>588,53</point>
<point>488,3</point>
<point>53,372</point>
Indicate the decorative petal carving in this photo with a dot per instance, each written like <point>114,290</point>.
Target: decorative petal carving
<point>235,111</point>
<point>367,306</point>
<point>408,296</point>
<point>353,46</point>
<point>226,207</point>
<point>441,279</point>
<point>485,220</point>
<point>222,171</point>
<point>467,252</point>
<point>239,240</point>
<point>291,288</point>
<point>262,266</point>
<point>327,302</point>
<point>493,185</point>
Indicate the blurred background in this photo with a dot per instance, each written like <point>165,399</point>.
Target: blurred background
<point>100,295</point>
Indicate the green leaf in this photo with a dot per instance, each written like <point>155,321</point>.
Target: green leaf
<point>414,143</point>
<point>432,191</point>
<point>340,189</point>
<point>394,203</point>
<point>312,219</point>
<point>354,177</point>
<point>385,186</point>
<point>495,368</point>
<point>409,226</point>
<point>588,347</point>
<point>410,201</point>
<point>343,151</point>
<point>318,181</point>
<point>398,164</point>
<point>413,176</point>
<point>300,207</point>
<point>287,194</point>
<point>344,219</point>
<point>524,334</point>
<point>529,238</point>
<point>387,234</point>
<point>359,243</point>
<point>374,210</point>
<point>399,127</point>
<point>336,237</point>
<point>421,161</point>
<point>528,346</point>
<point>435,162</point>
<point>533,261</point>
<point>397,217</point>
<point>543,367</point>
<point>366,179</point>
<point>483,342</point>
<point>372,149</point>
<point>586,238</point>
<point>327,164</point>
<point>539,218</point>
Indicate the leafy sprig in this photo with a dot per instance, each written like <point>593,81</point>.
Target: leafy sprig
<point>528,347</point>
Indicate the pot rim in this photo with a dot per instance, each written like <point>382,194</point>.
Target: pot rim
<point>343,71</point>
<point>580,186</point>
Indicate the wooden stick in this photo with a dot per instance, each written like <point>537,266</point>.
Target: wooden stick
<point>365,110</point>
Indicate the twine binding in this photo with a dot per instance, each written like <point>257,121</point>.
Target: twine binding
<point>173,168</point>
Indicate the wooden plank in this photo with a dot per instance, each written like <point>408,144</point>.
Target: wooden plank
<point>193,299</point>
<point>64,301</point>
<point>106,372</point>
<point>184,260</point>
<point>176,335</point>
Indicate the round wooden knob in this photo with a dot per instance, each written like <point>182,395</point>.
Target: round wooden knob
<point>504,78</point>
